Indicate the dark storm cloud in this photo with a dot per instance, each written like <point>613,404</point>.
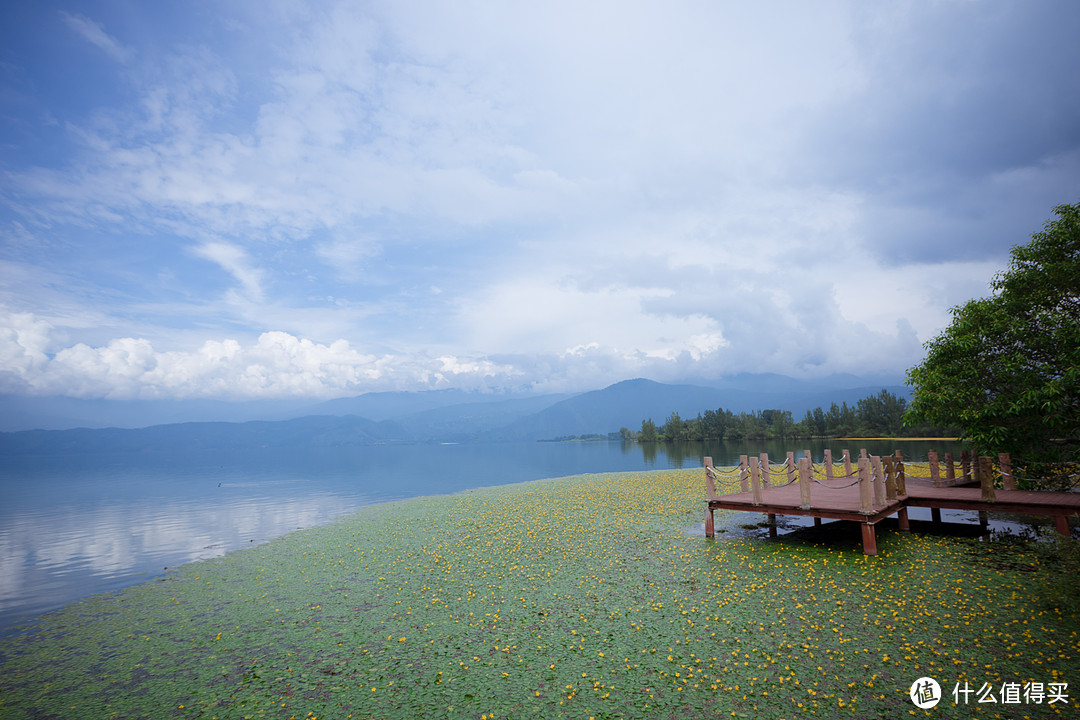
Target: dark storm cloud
<point>969,122</point>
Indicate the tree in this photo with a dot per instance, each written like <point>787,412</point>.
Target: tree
<point>840,421</point>
<point>648,431</point>
<point>1007,369</point>
<point>882,414</point>
<point>676,429</point>
<point>780,423</point>
<point>714,423</point>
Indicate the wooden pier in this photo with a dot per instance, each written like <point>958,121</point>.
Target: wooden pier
<point>872,489</point>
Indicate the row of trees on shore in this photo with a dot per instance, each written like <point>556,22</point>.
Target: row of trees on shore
<point>880,415</point>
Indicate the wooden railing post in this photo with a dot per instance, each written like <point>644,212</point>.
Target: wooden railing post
<point>890,477</point>
<point>865,506</point>
<point>710,489</point>
<point>710,475</point>
<point>828,464</point>
<point>847,462</point>
<point>935,471</point>
<point>950,469</point>
<point>806,473</point>
<point>986,479</point>
<point>790,467</point>
<point>766,476</point>
<point>965,466</point>
<point>1007,479</point>
<point>901,478</point>
<point>879,482</point>
<point>744,474</point>
<point>755,480</point>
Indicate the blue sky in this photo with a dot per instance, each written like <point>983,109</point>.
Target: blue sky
<point>282,199</point>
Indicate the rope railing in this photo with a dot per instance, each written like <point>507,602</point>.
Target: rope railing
<point>824,472</point>
<point>1063,477</point>
<point>727,483</point>
<point>880,481</point>
<point>734,470</point>
<point>786,483</point>
<point>758,474</point>
<point>917,469</point>
<point>837,487</point>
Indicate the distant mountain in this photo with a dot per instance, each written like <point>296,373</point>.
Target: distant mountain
<point>311,431</point>
<point>57,413</point>
<point>472,421</point>
<point>386,405</point>
<point>457,416</point>
<point>623,404</point>
<point>627,403</point>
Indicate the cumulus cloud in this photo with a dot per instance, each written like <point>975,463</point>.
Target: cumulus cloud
<point>23,340</point>
<point>275,365</point>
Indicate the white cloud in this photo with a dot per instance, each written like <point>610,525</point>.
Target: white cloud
<point>347,255</point>
<point>277,364</point>
<point>513,194</point>
<point>236,262</point>
<point>94,33</point>
<point>23,341</point>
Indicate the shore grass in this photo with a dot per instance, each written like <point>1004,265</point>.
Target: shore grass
<point>583,597</point>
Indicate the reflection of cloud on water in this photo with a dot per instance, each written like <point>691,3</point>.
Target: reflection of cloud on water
<point>74,551</point>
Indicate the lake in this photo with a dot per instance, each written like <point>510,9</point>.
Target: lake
<point>81,524</point>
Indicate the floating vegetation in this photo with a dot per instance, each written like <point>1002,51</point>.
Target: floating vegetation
<point>578,597</point>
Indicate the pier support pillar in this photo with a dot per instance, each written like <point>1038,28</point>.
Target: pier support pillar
<point>935,515</point>
<point>1061,522</point>
<point>772,525</point>
<point>817,521</point>
<point>710,523</point>
<point>902,520</point>
<point>869,539</point>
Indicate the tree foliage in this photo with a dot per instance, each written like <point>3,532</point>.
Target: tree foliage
<point>875,416</point>
<point>648,431</point>
<point>1007,369</point>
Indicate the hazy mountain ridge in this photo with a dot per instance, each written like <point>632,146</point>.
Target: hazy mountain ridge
<point>627,403</point>
<point>473,421</point>
<point>63,413</point>
<point>309,431</point>
<point>440,417</point>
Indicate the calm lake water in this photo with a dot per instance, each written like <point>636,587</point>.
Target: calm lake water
<point>77,525</point>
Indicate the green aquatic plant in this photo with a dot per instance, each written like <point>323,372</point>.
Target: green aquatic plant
<point>584,597</point>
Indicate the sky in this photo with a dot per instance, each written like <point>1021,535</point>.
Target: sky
<point>266,199</point>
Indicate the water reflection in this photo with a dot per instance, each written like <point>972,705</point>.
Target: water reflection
<point>71,526</point>
<point>52,557</point>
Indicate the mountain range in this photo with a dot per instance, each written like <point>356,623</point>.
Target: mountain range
<point>433,416</point>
